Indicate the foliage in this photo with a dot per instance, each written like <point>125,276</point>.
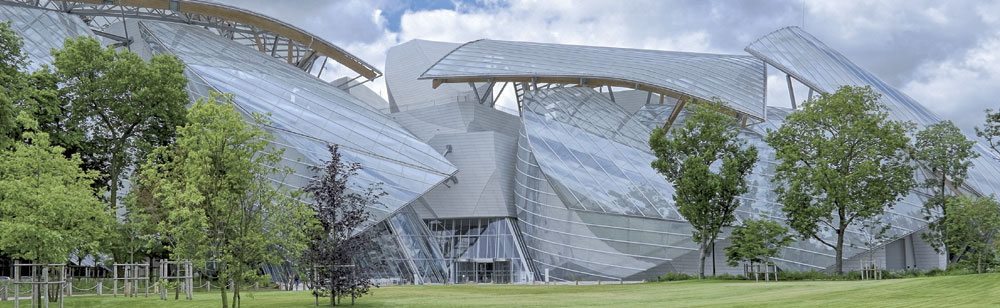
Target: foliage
<point>756,241</point>
<point>34,93</point>
<point>12,62</point>
<point>215,184</point>
<point>120,105</point>
<point>841,160</point>
<point>708,162</point>
<point>944,151</point>
<point>48,206</point>
<point>341,213</point>
<point>973,225</point>
<point>991,130</point>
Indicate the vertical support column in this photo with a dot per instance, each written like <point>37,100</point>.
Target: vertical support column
<point>791,91</point>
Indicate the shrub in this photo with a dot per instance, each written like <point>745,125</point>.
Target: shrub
<point>673,276</point>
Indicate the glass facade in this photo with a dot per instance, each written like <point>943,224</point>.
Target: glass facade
<point>589,205</point>
<point>481,250</point>
<point>579,152</point>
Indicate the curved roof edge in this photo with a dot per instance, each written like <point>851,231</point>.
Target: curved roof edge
<point>639,69</point>
<point>268,35</point>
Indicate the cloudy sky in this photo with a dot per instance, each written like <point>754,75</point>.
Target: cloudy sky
<point>945,54</point>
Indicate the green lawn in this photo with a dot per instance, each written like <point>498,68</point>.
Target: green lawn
<point>951,291</point>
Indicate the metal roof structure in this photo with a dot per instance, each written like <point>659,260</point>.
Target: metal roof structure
<point>738,81</point>
<point>265,34</point>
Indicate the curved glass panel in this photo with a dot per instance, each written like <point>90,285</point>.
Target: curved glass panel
<point>306,114</point>
<point>736,80</point>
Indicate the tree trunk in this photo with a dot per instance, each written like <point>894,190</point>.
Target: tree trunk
<point>701,258</point>
<point>943,223</point>
<point>222,288</point>
<point>333,295</point>
<point>840,251</point>
<point>114,187</point>
<point>236,294</point>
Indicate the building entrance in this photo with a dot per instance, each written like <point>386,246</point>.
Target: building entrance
<point>483,271</point>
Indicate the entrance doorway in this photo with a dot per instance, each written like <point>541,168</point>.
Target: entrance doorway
<point>483,271</point>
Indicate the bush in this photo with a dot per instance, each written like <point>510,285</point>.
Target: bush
<point>954,269</point>
<point>672,276</point>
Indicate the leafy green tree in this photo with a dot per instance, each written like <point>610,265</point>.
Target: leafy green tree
<point>214,183</point>
<point>991,131</point>
<point>944,151</point>
<point>12,63</point>
<point>756,241</point>
<point>48,206</point>
<point>121,105</point>
<point>704,195</point>
<point>973,225</point>
<point>841,160</point>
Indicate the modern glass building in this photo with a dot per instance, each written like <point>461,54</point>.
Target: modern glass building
<point>559,189</point>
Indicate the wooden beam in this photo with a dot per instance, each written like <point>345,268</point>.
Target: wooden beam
<point>673,114</point>
<point>256,38</point>
<point>291,45</point>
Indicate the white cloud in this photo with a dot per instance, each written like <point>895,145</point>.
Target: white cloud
<point>960,88</point>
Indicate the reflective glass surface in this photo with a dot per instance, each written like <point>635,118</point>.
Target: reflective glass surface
<point>42,31</point>
<point>595,154</point>
<point>306,115</point>
<point>483,250</point>
<point>573,226</point>
<point>420,246</point>
<point>736,80</point>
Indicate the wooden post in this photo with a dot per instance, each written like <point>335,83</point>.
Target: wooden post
<point>100,288</point>
<point>17,285</point>
<point>45,279</point>
<point>114,282</point>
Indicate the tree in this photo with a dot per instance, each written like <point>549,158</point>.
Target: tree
<point>122,106</point>
<point>12,63</point>
<point>341,213</point>
<point>708,163</point>
<point>48,206</point>
<point>35,93</point>
<point>841,160</point>
<point>991,131</point>
<point>973,225</point>
<point>756,241</point>
<point>215,182</point>
<point>943,150</point>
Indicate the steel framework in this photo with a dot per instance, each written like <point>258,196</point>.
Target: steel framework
<point>268,35</point>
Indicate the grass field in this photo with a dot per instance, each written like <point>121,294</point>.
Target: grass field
<point>949,291</point>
